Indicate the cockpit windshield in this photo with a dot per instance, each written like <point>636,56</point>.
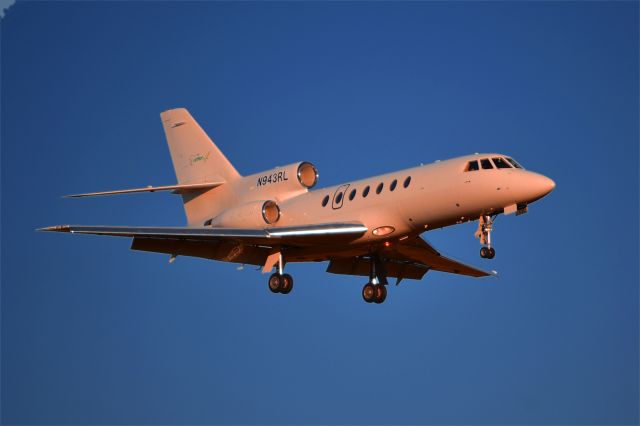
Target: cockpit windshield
<point>514,163</point>
<point>501,163</point>
<point>490,163</point>
<point>486,163</point>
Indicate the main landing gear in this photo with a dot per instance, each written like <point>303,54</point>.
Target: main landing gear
<point>485,226</point>
<point>279,282</point>
<point>375,291</point>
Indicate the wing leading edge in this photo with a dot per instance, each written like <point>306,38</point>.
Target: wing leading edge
<point>268,236</point>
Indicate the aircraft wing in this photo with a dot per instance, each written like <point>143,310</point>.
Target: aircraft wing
<point>411,259</point>
<point>419,251</point>
<point>326,232</point>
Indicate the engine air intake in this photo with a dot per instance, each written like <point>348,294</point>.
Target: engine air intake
<point>307,174</point>
<point>270,212</point>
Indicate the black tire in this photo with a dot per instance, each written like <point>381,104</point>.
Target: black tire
<point>286,284</point>
<point>275,283</point>
<point>381,293</point>
<point>368,292</point>
<point>492,253</point>
<point>484,252</point>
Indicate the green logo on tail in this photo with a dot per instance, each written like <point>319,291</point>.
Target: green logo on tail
<point>199,157</point>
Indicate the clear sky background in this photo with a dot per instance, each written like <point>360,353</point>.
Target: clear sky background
<point>95,333</point>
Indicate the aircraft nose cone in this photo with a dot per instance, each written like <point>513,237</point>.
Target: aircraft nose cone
<point>540,185</point>
<point>547,185</point>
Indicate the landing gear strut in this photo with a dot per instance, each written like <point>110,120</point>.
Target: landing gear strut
<point>375,291</point>
<point>485,226</point>
<point>280,282</point>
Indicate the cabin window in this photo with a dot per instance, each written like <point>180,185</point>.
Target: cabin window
<point>338,199</point>
<point>472,166</point>
<point>407,181</point>
<point>486,164</point>
<point>393,185</point>
<point>514,162</point>
<point>379,188</point>
<point>208,222</point>
<point>325,200</point>
<point>501,163</point>
<point>365,191</point>
<point>352,194</point>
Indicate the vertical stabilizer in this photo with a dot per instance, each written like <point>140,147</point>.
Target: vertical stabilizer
<point>197,159</point>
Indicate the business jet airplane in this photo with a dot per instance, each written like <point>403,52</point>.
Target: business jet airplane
<point>369,227</point>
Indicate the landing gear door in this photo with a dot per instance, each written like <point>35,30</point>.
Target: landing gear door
<point>338,196</point>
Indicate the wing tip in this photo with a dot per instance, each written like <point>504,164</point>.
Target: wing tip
<point>56,228</point>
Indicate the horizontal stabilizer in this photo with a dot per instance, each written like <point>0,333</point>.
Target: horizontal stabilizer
<point>177,189</point>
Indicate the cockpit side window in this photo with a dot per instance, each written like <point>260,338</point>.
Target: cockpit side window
<point>514,162</point>
<point>486,164</point>
<point>501,163</point>
<point>472,166</point>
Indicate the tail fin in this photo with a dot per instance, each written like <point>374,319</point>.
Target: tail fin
<point>196,159</point>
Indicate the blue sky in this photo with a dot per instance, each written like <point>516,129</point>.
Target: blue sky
<point>95,333</point>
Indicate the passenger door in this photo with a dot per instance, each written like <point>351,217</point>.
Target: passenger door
<point>338,196</point>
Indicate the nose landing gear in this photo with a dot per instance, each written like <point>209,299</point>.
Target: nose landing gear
<point>485,226</point>
<point>487,252</point>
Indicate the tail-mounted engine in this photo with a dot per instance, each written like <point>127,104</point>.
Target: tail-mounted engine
<point>284,182</point>
<point>307,174</point>
<point>258,206</point>
<point>255,214</point>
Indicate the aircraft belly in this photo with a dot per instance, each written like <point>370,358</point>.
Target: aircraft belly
<point>321,254</point>
<point>362,267</point>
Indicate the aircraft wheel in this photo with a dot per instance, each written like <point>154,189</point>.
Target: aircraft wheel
<point>484,252</point>
<point>275,283</point>
<point>381,293</point>
<point>492,253</point>
<point>368,292</point>
<point>286,284</point>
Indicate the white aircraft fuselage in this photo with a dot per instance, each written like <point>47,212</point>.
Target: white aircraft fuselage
<point>368,227</point>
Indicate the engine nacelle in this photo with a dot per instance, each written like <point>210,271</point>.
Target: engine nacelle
<point>255,214</point>
<point>281,182</point>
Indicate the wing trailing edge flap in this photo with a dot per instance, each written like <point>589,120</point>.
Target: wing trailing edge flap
<point>227,251</point>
